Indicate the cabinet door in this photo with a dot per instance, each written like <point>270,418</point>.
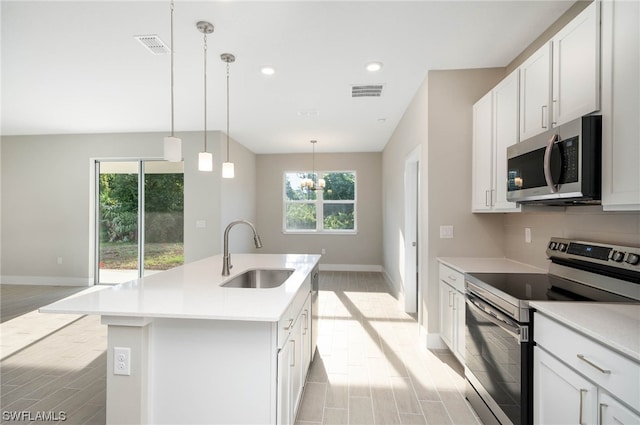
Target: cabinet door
<point>612,412</point>
<point>560,396</point>
<point>505,111</point>
<point>446,314</point>
<point>305,344</point>
<point>459,325</point>
<point>576,67</point>
<point>535,91</point>
<point>285,361</point>
<point>620,105</point>
<point>481,195</point>
<point>296,367</point>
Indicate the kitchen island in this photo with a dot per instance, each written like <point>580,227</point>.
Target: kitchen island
<point>182,348</point>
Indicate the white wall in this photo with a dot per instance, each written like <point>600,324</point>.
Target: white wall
<point>364,248</point>
<point>46,200</point>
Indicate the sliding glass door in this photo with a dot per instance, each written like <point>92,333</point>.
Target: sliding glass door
<point>139,219</point>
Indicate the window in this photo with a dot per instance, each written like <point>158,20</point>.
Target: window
<point>332,210</point>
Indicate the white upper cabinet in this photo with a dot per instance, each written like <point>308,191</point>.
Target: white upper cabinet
<point>505,111</point>
<point>535,86</point>
<point>576,67</point>
<point>561,81</point>
<point>481,192</point>
<point>495,126</point>
<point>620,105</point>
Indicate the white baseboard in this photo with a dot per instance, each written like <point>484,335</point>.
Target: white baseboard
<point>46,280</point>
<point>350,267</point>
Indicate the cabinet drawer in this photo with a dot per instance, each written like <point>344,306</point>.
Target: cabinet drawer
<point>288,319</point>
<point>608,369</point>
<point>452,277</point>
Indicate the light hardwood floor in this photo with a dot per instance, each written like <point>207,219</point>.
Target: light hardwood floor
<point>369,367</point>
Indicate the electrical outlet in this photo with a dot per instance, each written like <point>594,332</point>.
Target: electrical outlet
<point>121,361</point>
<point>527,235</point>
<point>59,260</point>
<point>323,251</point>
<point>201,224</point>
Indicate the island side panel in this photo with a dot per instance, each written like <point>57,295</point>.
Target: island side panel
<point>211,372</point>
<point>128,395</point>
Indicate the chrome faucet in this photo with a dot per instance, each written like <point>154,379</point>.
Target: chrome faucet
<point>226,259</point>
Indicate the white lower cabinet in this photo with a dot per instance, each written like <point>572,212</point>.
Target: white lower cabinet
<point>560,395</point>
<point>579,380</point>
<point>612,412</point>
<point>294,358</point>
<point>452,313</point>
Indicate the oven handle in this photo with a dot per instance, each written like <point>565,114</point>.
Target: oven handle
<point>520,333</point>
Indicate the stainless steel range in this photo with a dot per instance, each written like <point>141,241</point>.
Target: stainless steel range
<point>499,327</point>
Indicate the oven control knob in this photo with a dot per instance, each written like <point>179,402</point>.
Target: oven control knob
<point>633,259</point>
<point>562,247</point>
<point>617,256</point>
<point>552,246</point>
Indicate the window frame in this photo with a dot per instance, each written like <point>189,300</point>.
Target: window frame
<point>319,203</point>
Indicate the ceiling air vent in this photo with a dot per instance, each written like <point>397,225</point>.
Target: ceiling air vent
<point>153,44</point>
<point>370,90</point>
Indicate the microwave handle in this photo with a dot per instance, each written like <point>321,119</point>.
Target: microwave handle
<point>547,164</point>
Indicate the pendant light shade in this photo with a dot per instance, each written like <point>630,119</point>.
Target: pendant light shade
<point>227,167</point>
<point>205,159</point>
<point>228,171</point>
<point>172,144</point>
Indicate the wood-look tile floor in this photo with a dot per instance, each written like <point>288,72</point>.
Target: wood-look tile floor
<point>369,368</point>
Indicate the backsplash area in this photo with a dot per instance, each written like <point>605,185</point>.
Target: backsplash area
<point>584,223</point>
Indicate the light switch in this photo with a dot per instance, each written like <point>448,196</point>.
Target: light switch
<point>201,224</point>
<point>446,232</point>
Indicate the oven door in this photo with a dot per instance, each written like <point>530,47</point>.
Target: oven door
<point>497,362</point>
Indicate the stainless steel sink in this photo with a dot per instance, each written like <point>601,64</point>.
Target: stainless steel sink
<point>259,278</point>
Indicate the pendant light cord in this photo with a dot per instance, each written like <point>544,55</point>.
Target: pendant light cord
<point>172,133</point>
<point>205,92</point>
<point>227,111</point>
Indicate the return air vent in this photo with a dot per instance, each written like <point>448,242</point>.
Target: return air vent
<point>371,90</point>
<point>153,44</point>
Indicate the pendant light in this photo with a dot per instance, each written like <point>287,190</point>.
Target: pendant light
<point>227,166</point>
<point>205,159</point>
<point>315,183</point>
<point>172,144</point>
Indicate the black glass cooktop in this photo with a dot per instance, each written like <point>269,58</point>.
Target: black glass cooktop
<point>541,287</point>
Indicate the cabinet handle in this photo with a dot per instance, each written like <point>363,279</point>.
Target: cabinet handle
<point>582,391</point>
<point>306,321</point>
<point>450,302</point>
<point>454,301</point>
<point>288,327</point>
<point>554,112</point>
<point>601,370</point>
<point>293,341</point>
<point>487,201</point>
<point>600,412</point>
<point>543,125</point>
<point>453,278</point>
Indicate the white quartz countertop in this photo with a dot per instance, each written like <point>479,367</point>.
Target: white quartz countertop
<point>614,325</point>
<point>488,265</point>
<point>193,291</point>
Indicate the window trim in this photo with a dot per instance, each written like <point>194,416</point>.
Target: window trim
<point>319,202</point>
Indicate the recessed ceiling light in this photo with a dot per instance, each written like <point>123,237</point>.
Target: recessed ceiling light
<point>374,66</point>
<point>382,120</point>
<point>267,70</point>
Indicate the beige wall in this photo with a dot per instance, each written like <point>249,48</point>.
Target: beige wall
<point>47,199</point>
<point>362,249</point>
<point>439,120</point>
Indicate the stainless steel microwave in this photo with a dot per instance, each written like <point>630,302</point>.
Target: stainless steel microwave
<point>562,166</point>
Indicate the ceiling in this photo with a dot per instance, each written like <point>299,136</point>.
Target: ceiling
<point>75,67</point>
